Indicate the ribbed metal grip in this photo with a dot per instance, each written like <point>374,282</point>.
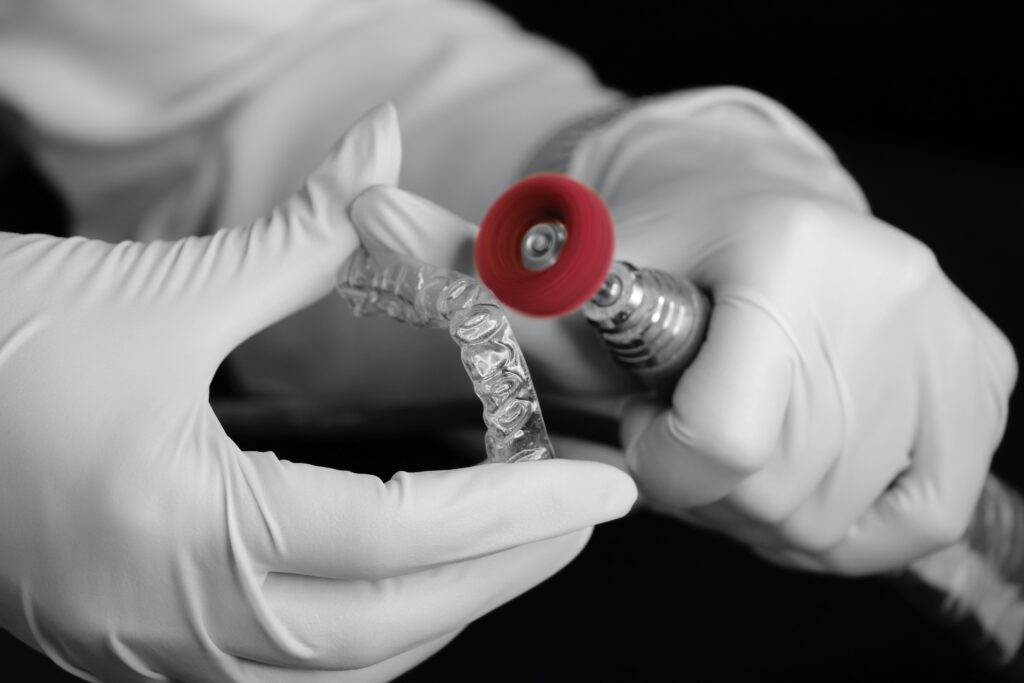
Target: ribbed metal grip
<point>652,323</point>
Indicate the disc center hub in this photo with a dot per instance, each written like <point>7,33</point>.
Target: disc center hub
<point>542,244</point>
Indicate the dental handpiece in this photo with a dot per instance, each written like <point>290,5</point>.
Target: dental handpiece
<point>545,248</point>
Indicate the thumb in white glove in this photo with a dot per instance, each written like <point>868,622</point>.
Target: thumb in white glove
<point>139,543</point>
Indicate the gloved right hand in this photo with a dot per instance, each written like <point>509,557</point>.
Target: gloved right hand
<point>138,542</point>
<point>843,409</point>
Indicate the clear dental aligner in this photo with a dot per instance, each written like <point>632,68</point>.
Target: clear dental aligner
<point>422,295</point>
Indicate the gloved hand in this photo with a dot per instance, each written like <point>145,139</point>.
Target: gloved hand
<point>139,543</point>
<point>843,410</point>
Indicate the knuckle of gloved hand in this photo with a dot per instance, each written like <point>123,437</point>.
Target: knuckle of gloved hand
<point>384,551</point>
<point>397,507</point>
<point>728,440</point>
<point>788,229</point>
<point>915,267</point>
<point>941,526</point>
<point>1006,364</point>
<point>813,534</point>
<point>1011,364</point>
<point>756,500</point>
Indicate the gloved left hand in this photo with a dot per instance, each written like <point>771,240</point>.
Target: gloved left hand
<point>139,543</point>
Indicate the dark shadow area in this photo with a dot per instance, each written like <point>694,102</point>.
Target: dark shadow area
<point>944,74</point>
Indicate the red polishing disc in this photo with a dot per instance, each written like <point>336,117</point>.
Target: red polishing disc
<point>581,265</point>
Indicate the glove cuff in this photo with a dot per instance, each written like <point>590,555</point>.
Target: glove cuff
<point>782,145</point>
<point>555,155</point>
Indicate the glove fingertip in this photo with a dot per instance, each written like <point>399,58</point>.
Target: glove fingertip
<point>602,492</point>
<point>621,491</point>
<point>387,218</point>
<point>370,153</point>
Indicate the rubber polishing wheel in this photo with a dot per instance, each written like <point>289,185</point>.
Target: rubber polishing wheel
<point>582,264</point>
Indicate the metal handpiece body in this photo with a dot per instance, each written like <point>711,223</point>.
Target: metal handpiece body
<point>651,323</point>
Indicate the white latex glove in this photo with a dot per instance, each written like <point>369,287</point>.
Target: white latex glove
<point>845,406</point>
<point>138,542</point>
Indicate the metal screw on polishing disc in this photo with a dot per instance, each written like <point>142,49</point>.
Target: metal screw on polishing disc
<point>610,291</point>
<point>541,245</point>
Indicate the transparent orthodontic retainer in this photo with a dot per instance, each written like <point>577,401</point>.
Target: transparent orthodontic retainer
<point>422,295</point>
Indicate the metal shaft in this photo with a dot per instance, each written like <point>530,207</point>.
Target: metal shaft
<point>652,323</point>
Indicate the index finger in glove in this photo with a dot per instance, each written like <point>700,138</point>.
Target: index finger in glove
<point>249,277</point>
<point>390,219</point>
<point>329,523</point>
<point>726,416</point>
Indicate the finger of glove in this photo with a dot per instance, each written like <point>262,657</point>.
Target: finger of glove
<point>381,671</point>
<point>572,448</point>
<point>250,277</point>
<point>856,481</point>
<point>962,420</point>
<point>857,489</point>
<point>352,624</point>
<point>391,220</point>
<point>783,504</point>
<point>727,411</point>
<point>329,523</point>
<point>819,522</point>
<point>809,496</point>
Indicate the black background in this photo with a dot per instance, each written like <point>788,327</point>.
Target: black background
<point>925,108</point>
